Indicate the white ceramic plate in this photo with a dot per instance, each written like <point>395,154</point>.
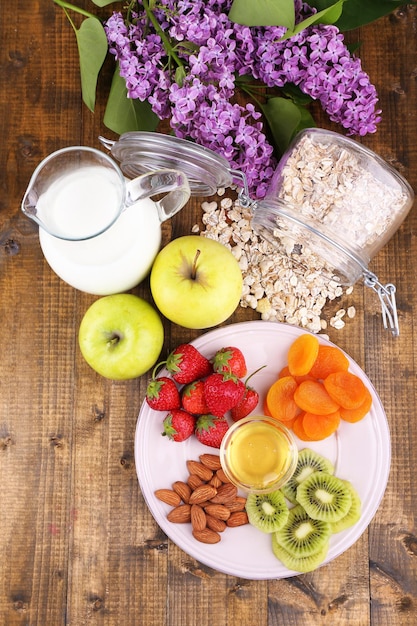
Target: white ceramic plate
<point>360,452</point>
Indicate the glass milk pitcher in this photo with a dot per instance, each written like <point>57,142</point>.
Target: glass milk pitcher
<point>100,232</point>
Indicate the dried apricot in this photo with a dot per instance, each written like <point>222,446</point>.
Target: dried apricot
<point>311,396</point>
<point>319,427</point>
<point>329,359</point>
<point>302,354</point>
<point>355,415</point>
<point>298,428</point>
<point>345,388</point>
<point>285,371</point>
<point>280,399</point>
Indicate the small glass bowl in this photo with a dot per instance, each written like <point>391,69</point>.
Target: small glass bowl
<point>258,454</point>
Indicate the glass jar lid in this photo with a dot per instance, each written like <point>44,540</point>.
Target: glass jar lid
<point>141,152</point>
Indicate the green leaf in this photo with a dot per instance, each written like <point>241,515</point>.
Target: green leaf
<point>263,13</point>
<point>307,120</point>
<point>92,48</point>
<point>124,114</point>
<point>330,15</point>
<point>285,119</point>
<point>180,74</point>
<point>103,3</point>
<point>295,94</point>
<point>356,13</point>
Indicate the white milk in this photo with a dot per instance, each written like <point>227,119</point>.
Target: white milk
<point>112,262</point>
<point>82,202</point>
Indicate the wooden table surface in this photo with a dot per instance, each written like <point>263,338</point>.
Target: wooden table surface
<point>78,544</point>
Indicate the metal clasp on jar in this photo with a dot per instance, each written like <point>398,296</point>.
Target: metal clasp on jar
<point>386,294</point>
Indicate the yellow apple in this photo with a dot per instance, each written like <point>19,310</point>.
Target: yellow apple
<point>196,282</point>
<point>121,336</point>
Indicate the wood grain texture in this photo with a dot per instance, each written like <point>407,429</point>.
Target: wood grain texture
<point>78,544</point>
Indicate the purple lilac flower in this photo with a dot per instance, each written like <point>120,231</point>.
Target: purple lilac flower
<point>320,64</point>
<point>214,51</point>
<point>202,114</point>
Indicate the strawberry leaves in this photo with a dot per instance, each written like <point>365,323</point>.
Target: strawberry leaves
<point>231,360</point>
<point>178,425</point>
<point>186,364</point>
<point>162,394</point>
<point>210,430</point>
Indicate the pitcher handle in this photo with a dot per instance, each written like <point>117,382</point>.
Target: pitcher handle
<point>173,183</point>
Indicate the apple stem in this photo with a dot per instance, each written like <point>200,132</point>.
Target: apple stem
<point>114,339</point>
<point>194,268</point>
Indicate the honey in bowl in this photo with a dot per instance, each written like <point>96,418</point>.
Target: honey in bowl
<point>258,454</point>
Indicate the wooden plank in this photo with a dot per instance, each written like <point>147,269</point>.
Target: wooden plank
<point>78,543</point>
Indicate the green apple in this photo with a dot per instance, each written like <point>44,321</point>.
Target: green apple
<point>121,336</point>
<point>196,282</point>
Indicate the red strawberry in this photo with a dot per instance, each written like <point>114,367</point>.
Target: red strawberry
<point>162,394</point>
<point>210,430</point>
<point>178,425</point>
<point>247,404</point>
<point>222,392</point>
<point>192,398</point>
<point>231,360</point>
<point>249,400</point>
<point>186,364</point>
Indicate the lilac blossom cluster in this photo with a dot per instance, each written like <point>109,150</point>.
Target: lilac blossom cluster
<point>188,65</point>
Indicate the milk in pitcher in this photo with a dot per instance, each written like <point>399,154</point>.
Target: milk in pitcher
<point>118,259</point>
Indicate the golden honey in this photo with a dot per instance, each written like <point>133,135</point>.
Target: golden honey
<point>258,454</point>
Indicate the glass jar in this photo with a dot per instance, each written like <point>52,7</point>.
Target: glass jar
<point>336,197</point>
<point>332,197</point>
<point>329,196</point>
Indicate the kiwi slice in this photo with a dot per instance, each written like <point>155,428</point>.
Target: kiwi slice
<point>302,563</point>
<point>309,461</point>
<point>267,512</point>
<point>324,496</point>
<point>302,536</point>
<point>354,513</point>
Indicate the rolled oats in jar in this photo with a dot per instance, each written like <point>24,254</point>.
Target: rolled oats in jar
<point>337,199</point>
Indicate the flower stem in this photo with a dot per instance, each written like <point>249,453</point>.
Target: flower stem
<point>167,44</point>
<point>250,93</point>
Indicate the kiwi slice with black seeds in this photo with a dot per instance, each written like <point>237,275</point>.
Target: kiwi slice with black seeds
<point>302,536</point>
<point>354,513</point>
<point>301,564</point>
<point>324,496</point>
<point>267,512</point>
<point>309,461</point>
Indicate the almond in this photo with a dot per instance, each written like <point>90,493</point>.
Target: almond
<point>218,510</point>
<point>206,536</point>
<point>194,467</point>
<point>238,518</point>
<point>204,503</point>
<point>202,493</point>
<point>194,481</point>
<point>180,515</point>
<point>198,517</point>
<point>238,504</point>
<point>212,461</point>
<point>168,496</point>
<point>183,490</point>
<point>215,481</point>
<point>220,474</point>
<point>215,524</point>
<point>225,493</point>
